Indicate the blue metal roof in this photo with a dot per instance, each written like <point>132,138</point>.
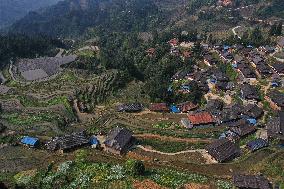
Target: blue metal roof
<point>257,144</point>
<point>30,141</point>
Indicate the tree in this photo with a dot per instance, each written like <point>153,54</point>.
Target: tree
<point>273,29</point>
<point>134,167</point>
<point>278,31</point>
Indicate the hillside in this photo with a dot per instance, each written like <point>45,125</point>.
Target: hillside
<point>75,16</point>
<point>12,10</point>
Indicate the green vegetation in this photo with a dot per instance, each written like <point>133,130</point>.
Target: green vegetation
<point>84,174</point>
<point>174,179</point>
<point>247,139</point>
<point>32,102</point>
<point>167,125</point>
<point>134,167</point>
<point>170,146</point>
<point>30,118</point>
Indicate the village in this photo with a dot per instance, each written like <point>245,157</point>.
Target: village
<point>241,110</point>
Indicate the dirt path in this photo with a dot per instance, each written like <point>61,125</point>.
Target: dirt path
<point>227,98</point>
<point>234,31</point>
<point>168,138</point>
<point>171,154</point>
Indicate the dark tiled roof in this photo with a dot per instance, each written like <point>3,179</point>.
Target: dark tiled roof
<point>278,67</point>
<point>243,129</point>
<point>275,126</point>
<point>68,141</point>
<point>246,70</point>
<point>250,92</point>
<point>251,181</point>
<point>118,138</point>
<point>232,113</point>
<point>277,98</point>
<point>223,150</point>
<point>280,41</point>
<point>135,107</point>
<point>180,75</point>
<point>264,68</point>
<point>257,144</point>
<point>253,111</point>
<point>214,105</point>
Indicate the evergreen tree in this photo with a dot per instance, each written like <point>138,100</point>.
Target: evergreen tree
<point>278,30</point>
<point>273,29</point>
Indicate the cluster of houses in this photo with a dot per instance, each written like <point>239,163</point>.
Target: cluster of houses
<point>118,141</point>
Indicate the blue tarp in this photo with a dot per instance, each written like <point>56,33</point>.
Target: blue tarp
<point>30,141</point>
<point>214,81</point>
<point>226,47</point>
<point>274,84</point>
<point>252,121</point>
<point>94,141</point>
<point>174,109</point>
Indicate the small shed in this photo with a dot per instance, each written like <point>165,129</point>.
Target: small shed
<point>257,144</point>
<point>30,141</point>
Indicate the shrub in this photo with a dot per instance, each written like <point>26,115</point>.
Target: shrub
<point>134,167</point>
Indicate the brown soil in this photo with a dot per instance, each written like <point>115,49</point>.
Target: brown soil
<point>196,186</point>
<point>146,184</point>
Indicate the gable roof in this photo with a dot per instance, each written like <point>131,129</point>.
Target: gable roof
<point>257,144</point>
<point>280,42</point>
<point>275,126</point>
<point>223,150</point>
<point>278,67</point>
<point>68,141</point>
<point>253,111</point>
<point>159,107</point>
<point>243,129</point>
<point>251,181</point>
<point>214,104</point>
<point>246,70</point>
<point>200,118</point>
<point>187,106</point>
<point>118,138</point>
<point>135,107</point>
<point>277,98</point>
<point>250,92</point>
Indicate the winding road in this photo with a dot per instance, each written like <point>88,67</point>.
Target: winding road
<point>234,31</point>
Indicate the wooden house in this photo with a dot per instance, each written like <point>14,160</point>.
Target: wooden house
<point>68,142</point>
<point>119,141</point>
<point>223,150</point>
<point>251,181</point>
